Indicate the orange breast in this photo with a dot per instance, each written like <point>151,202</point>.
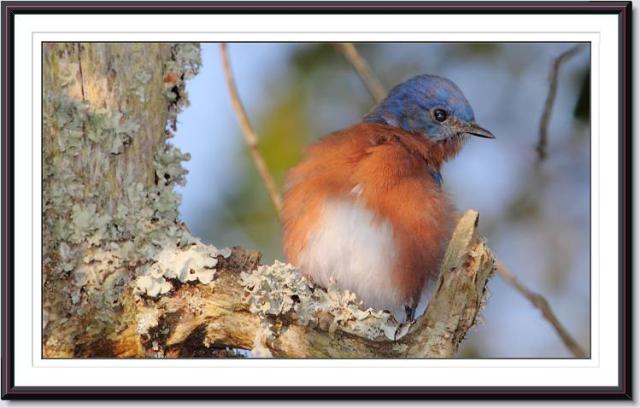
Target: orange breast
<point>387,172</point>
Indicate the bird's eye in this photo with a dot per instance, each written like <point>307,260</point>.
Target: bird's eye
<point>440,115</point>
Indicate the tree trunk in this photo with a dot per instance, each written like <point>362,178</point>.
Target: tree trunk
<point>122,277</point>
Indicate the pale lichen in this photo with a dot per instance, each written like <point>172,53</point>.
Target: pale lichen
<point>263,335</point>
<point>78,123</point>
<point>195,262</point>
<point>168,166</point>
<point>143,77</point>
<point>105,220</point>
<point>184,64</point>
<point>148,318</point>
<point>279,290</point>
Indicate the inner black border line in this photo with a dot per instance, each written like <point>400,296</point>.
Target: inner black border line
<point>621,391</point>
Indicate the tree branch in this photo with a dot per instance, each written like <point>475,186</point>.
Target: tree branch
<point>543,131</point>
<point>250,137</point>
<point>373,85</point>
<point>543,305</point>
<point>276,312</point>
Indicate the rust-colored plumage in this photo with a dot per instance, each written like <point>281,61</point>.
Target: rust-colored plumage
<point>393,169</point>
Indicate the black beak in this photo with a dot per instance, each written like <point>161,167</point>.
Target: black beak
<point>475,130</point>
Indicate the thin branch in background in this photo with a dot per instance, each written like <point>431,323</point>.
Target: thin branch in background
<point>373,85</point>
<point>543,132</point>
<point>368,78</point>
<point>543,305</point>
<point>250,137</point>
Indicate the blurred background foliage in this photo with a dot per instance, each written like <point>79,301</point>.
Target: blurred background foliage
<point>535,216</point>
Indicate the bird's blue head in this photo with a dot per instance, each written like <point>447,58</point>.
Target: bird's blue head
<point>431,106</point>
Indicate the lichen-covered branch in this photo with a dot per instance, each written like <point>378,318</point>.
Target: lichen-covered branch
<point>275,312</point>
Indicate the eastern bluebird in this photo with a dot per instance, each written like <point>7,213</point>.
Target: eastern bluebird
<point>366,207</point>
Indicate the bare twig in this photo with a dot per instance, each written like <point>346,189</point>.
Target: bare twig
<point>541,148</point>
<point>371,82</point>
<point>373,85</point>
<point>249,134</point>
<point>543,305</point>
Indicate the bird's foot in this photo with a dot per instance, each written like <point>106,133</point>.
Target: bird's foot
<point>410,313</point>
<point>403,328</point>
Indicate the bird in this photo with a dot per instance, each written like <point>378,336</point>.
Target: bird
<point>366,210</point>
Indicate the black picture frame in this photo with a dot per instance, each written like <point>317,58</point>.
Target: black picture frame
<point>623,11</point>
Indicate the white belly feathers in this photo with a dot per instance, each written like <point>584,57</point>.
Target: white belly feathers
<point>357,253</point>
